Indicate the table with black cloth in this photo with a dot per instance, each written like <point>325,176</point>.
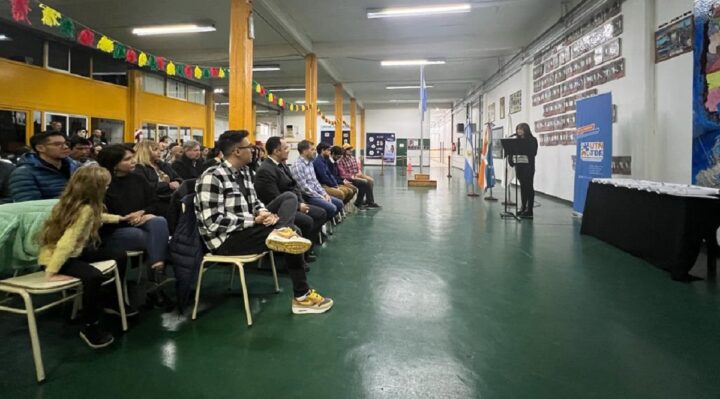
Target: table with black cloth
<point>665,230</point>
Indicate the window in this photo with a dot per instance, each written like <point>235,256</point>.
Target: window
<point>37,122</point>
<point>112,129</point>
<point>108,69</point>
<point>12,132</point>
<point>80,60</point>
<point>149,131</point>
<point>23,45</point>
<point>176,89</point>
<point>58,56</point>
<point>197,135</point>
<point>154,84</point>
<point>70,123</point>
<point>196,94</point>
<point>174,133</point>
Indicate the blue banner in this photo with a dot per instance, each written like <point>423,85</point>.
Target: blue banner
<point>594,144</point>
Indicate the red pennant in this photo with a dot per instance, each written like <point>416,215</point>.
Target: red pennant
<point>131,56</point>
<point>86,37</point>
<point>214,72</point>
<point>160,62</point>
<point>188,71</point>
<point>20,10</point>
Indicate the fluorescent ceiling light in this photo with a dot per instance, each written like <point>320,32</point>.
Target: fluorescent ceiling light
<point>172,29</point>
<point>396,12</point>
<point>109,73</point>
<point>4,38</point>
<point>412,62</point>
<point>406,87</point>
<point>222,103</point>
<point>219,91</point>
<point>319,102</point>
<point>266,68</point>
<point>288,89</point>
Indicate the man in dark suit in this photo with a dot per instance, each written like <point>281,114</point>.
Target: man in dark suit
<point>273,178</point>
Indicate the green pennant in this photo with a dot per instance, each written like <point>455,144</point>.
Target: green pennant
<point>152,63</point>
<point>67,27</point>
<point>205,73</point>
<point>119,52</point>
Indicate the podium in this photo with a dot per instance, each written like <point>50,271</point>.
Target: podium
<point>520,151</point>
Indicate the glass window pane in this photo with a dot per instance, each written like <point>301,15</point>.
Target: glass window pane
<point>164,131</point>
<point>154,84</point>
<point>12,132</point>
<point>149,130</point>
<point>58,56</point>
<point>176,89</point>
<point>112,130</point>
<point>173,133</point>
<point>196,94</point>
<point>62,119</point>
<point>80,61</point>
<point>108,69</point>
<point>23,46</point>
<point>76,124</point>
<point>37,122</point>
<point>197,135</point>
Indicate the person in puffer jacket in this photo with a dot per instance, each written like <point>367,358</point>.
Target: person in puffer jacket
<point>43,173</point>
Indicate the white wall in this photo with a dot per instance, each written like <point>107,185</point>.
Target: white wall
<point>654,106</point>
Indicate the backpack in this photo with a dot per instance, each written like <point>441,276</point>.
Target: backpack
<point>186,251</point>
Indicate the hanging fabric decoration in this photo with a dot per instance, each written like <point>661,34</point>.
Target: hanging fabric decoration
<point>67,27</point>
<point>170,70</point>
<point>106,45</point>
<point>270,97</point>
<point>281,103</point>
<point>161,63</point>
<point>214,71</point>
<point>142,59</point>
<point>50,16</point>
<point>197,72</point>
<point>221,73</point>
<point>188,71</point>
<point>205,73</point>
<point>152,63</point>
<point>20,10</point>
<point>86,37</point>
<point>120,51</point>
<point>258,89</point>
<point>131,56</point>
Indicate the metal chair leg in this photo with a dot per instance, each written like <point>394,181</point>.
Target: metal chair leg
<point>34,339</point>
<point>274,271</point>
<point>197,290</point>
<point>118,289</point>
<point>245,293</point>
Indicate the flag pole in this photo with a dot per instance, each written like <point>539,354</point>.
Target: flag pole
<point>422,116</point>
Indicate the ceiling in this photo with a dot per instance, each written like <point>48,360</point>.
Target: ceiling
<point>349,46</point>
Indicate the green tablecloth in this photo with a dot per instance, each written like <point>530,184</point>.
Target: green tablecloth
<point>19,225</point>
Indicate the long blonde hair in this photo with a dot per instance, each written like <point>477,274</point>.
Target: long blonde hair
<point>87,186</point>
<point>143,152</point>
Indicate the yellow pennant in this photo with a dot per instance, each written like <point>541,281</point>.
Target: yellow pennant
<point>106,45</point>
<point>50,16</point>
<point>170,69</point>
<point>142,59</point>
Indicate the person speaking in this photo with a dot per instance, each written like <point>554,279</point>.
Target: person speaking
<point>525,169</point>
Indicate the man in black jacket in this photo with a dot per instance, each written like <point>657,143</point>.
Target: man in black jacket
<point>273,178</point>
<point>190,165</point>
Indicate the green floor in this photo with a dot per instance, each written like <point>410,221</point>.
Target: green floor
<point>435,297</point>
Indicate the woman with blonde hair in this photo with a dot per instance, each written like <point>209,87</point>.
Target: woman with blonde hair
<point>70,240</point>
<point>161,176</point>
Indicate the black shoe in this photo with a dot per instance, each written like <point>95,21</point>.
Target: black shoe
<point>310,258</point>
<point>114,310</point>
<point>159,300</point>
<point>521,211</point>
<point>95,336</point>
<point>158,275</point>
<point>306,267</point>
<point>373,205</point>
<point>526,215</point>
<point>360,207</point>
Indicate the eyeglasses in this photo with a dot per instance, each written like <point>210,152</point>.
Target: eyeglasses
<point>58,144</point>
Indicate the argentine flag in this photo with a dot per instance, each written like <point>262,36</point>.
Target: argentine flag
<point>469,154</point>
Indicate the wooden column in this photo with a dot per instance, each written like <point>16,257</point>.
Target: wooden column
<point>338,113</point>
<point>241,62</point>
<point>353,122</point>
<point>209,133</point>
<point>311,83</point>
<point>362,128</point>
<point>133,121</point>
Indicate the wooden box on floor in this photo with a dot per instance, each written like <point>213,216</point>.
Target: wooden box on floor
<point>422,180</point>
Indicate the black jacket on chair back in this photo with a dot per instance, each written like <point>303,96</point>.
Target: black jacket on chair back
<point>271,181</point>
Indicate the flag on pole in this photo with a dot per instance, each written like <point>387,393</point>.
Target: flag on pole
<point>469,154</point>
<point>488,158</point>
<point>423,91</point>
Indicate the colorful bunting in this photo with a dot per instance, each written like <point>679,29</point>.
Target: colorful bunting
<point>50,16</point>
<point>152,63</point>
<point>142,59</point>
<point>221,74</point>
<point>20,10</point>
<point>131,56</point>
<point>67,27</point>
<point>197,72</point>
<point>106,45</point>
<point>120,51</point>
<point>86,37</point>
<point>214,72</point>
<point>161,63</point>
<point>188,71</point>
<point>170,70</point>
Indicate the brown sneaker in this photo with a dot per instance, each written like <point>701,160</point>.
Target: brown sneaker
<point>288,241</point>
<point>312,303</point>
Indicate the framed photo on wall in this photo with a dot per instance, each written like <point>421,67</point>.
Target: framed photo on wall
<point>674,38</point>
<point>491,113</point>
<point>502,107</point>
<point>515,102</point>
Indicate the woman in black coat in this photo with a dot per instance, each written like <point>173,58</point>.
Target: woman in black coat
<point>162,177</point>
<point>525,171</point>
<point>190,164</point>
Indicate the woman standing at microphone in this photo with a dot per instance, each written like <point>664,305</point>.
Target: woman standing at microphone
<point>525,171</point>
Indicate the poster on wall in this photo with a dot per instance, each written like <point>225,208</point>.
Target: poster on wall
<point>593,155</point>
<point>706,95</point>
<point>502,107</point>
<point>380,148</point>
<point>674,38</point>
<point>491,112</point>
<point>346,137</point>
<point>327,137</point>
<point>515,102</point>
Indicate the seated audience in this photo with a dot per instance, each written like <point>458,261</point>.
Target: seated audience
<point>233,221</point>
<point>349,170</point>
<point>43,173</point>
<point>98,138</point>
<point>6,169</point>
<point>189,166</point>
<point>161,176</point>
<point>214,158</point>
<point>163,143</point>
<point>130,194</point>
<point>80,151</point>
<point>350,159</point>
<point>70,240</point>
<point>304,173</point>
<point>273,178</point>
<point>327,179</point>
<point>174,152</point>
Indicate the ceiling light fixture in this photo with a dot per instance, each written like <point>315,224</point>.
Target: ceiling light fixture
<point>172,29</point>
<point>266,68</point>
<point>319,102</point>
<point>288,89</point>
<point>219,91</point>
<point>4,38</point>
<point>412,62</point>
<point>406,87</point>
<point>397,12</point>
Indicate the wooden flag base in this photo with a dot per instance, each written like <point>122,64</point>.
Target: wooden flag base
<point>422,180</point>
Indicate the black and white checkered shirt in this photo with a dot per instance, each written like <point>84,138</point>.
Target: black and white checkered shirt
<point>221,206</point>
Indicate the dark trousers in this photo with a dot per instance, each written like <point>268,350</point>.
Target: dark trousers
<point>365,193</point>
<point>526,176</point>
<point>310,223</point>
<point>92,279</point>
<point>252,240</point>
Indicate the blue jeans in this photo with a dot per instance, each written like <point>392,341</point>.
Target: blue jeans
<point>152,238</point>
<point>331,207</point>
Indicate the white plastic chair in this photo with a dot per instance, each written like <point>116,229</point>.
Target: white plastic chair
<point>36,284</point>
<point>239,262</point>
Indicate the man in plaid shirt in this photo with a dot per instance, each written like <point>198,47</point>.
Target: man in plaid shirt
<point>349,170</point>
<point>233,221</point>
<point>304,172</point>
